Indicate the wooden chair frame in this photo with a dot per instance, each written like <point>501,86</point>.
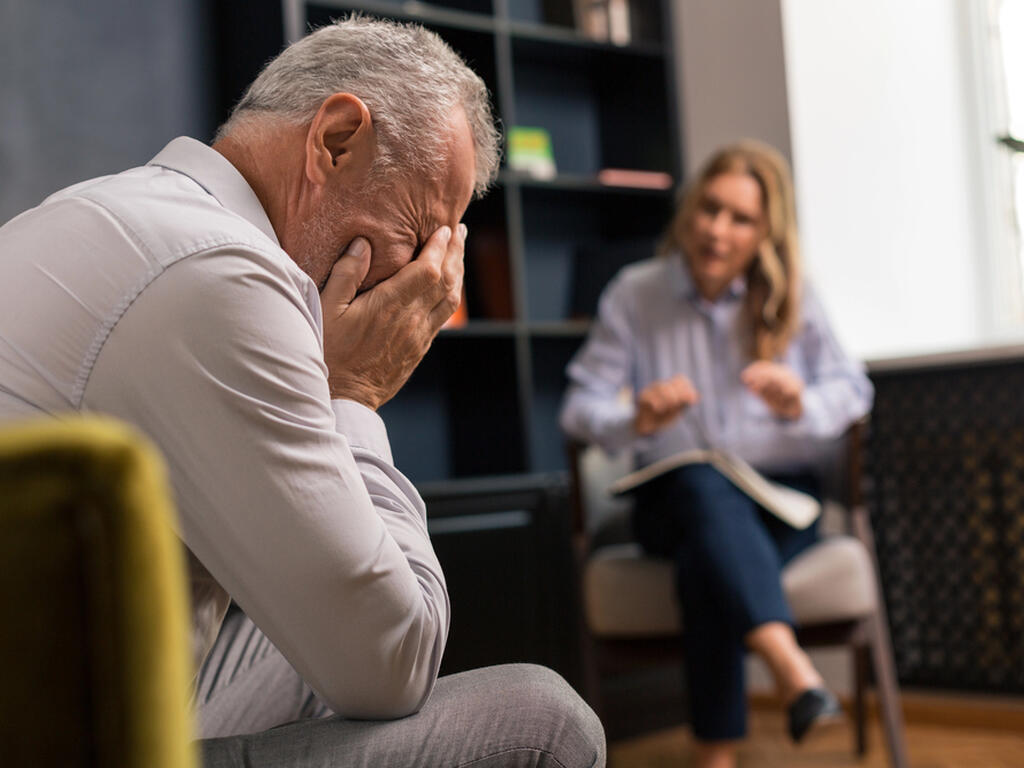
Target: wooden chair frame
<point>868,638</point>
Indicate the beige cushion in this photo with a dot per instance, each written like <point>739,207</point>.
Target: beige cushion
<point>832,581</point>
<point>627,594</point>
<point>598,470</point>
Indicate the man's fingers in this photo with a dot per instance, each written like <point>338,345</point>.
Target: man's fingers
<point>384,332</point>
<point>454,265</point>
<point>436,248</point>
<point>422,280</point>
<point>452,272</point>
<point>455,259</point>
<point>446,307</point>
<point>346,276</point>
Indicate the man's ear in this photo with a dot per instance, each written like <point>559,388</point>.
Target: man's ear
<point>341,142</point>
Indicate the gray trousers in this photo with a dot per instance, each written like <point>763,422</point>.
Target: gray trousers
<point>254,710</point>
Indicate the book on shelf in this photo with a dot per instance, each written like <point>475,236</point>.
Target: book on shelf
<point>628,177</point>
<point>592,19</point>
<point>603,20</point>
<point>529,151</point>
<point>794,507</point>
<point>618,22</point>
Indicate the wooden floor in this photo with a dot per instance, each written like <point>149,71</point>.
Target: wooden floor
<point>931,745</point>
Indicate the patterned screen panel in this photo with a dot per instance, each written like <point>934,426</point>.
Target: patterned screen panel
<point>944,476</point>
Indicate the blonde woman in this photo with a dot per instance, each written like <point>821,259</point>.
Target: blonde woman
<point>724,346</point>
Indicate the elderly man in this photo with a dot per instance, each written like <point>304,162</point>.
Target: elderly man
<point>249,306</point>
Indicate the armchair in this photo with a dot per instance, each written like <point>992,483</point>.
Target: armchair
<point>631,617</point>
<point>93,618</point>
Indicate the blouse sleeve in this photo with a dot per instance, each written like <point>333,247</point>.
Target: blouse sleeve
<point>836,394</point>
<point>837,391</point>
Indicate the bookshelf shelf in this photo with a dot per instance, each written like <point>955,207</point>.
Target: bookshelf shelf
<point>428,14</point>
<point>549,33</point>
<point>484,401</point>
<point>493,328</point>
<point>578,183</point>
<point>568,329</point>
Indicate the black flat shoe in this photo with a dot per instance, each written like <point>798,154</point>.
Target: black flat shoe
<point>813,707</point>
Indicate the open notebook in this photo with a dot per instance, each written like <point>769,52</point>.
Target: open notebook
<point>793,507</point>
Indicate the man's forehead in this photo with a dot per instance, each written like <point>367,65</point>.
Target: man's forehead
<point>463,152</point>
<point>444,191</point>
<point>457,179</point>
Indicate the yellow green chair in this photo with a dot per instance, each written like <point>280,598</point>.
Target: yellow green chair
<point>94,661</point>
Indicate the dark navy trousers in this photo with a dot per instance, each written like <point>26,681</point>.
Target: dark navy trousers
<point>729,554</point>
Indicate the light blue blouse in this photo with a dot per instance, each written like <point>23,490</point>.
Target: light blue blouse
<point>652,324</point>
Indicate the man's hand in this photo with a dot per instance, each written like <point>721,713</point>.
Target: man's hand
<point>658,404</point>
<point>778,385</point>
<point>374,341</point>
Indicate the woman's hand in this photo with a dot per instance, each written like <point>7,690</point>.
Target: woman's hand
<point>778,385</point>
<point>658,404</point>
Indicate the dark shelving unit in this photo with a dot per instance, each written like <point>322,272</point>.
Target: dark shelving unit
<point>484,401</point>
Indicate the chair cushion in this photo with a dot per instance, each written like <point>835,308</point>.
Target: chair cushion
<point>598,470</point>
<point>832,581</point>
<point>628,594</point>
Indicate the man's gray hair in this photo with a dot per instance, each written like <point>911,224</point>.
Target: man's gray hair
<point>409,78</point>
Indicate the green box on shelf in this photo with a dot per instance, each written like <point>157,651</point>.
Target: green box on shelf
<point>529,151</point>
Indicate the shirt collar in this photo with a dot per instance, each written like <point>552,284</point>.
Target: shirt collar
<point>215,173</point>
<point>685,288</point>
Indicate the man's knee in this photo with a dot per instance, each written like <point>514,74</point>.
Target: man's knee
<point>548,722</point>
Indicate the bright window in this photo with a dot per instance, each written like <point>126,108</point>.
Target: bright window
<point>999,56</point>
<point>1008,47</point>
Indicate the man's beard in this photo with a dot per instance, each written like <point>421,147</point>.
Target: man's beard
<point>317,250</point>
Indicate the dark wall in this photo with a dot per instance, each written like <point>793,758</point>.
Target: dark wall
<point>89,88</point>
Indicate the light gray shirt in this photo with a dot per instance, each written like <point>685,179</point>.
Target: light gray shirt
<point>652,325</point>
<point>161,296</point>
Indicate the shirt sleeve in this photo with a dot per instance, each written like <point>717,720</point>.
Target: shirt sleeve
<point>837,393</point>
<point>290,500</point>
<point>593,409</point>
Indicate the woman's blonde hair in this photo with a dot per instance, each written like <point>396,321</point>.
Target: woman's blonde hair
<point>773,279</point>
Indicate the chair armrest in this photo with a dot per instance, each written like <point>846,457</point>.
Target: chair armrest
<point>573,451</point>
<point>856,435</point>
